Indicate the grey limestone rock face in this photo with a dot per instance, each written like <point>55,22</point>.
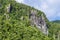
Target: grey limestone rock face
<point>8,8</point>
<point>38,21</point>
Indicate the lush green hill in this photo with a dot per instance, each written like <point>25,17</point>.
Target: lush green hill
<point>57,21</point>
<point>15,24</point>
<point>13,27</point>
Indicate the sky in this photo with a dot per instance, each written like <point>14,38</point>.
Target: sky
<point>51,8</point>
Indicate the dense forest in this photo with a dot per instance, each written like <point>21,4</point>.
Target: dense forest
<point>15,24</point>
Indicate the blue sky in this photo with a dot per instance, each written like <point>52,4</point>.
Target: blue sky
<point>50,7</point>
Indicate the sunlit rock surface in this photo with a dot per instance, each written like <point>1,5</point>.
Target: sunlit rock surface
<point>39,22</point>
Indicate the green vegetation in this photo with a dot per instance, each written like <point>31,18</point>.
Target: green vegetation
<point>17,25</point>
<point>56,21</point>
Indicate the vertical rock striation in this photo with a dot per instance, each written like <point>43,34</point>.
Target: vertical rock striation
<point>39,22</point>
<point>7,10</point>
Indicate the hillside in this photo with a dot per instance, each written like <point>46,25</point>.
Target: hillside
<point>56,21</point>
<point>15,23</point>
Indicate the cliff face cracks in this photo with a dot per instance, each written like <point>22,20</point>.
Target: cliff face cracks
<point>38,21</point>
<point>7,10</point>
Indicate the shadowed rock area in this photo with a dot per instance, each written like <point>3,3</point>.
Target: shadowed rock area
<point>39,22</point>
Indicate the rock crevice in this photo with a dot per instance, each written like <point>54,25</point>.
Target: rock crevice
<point>38,21</point>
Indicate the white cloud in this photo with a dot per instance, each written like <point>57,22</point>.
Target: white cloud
<point>49,7</point>
<point>44,5</point>
<point>51,1</point>
<point>20,1</point>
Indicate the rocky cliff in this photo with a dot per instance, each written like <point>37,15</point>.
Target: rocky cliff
<point>22,22</point>
<point>38,21</point>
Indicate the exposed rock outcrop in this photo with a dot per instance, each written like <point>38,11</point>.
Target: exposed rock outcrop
<point>8,8</point>
<point>39,22</point>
